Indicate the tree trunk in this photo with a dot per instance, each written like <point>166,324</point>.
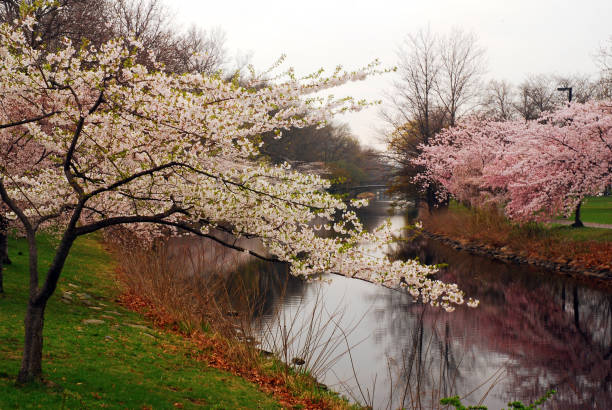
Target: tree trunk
<point>430,197</point>
<point>4,258</point>
<point>577,222</point>
<point>31,363</point>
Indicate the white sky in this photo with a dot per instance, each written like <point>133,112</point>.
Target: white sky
<point>520,36</point>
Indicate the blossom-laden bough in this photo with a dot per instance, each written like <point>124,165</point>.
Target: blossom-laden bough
<point>89,139</point>
<point>535,169</point>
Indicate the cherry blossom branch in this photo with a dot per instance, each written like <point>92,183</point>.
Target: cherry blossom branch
<point>13,207</point>
<point>29,120</point>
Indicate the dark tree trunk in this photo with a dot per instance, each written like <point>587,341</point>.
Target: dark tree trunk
<point>577,222</point>
<point>4,258</point>
<point>430,197</point>
<point>31,363</point>
<point>433,200</point>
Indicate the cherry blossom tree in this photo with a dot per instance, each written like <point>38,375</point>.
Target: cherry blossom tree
<point>91,140</point>
<point>457,157</point>
<point>536,169</point>
<point>557,161</point>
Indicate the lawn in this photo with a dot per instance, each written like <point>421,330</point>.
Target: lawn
<point>120,362</point>
<point>596,209</point>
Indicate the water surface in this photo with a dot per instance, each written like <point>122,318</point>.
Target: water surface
<point>532,332</point>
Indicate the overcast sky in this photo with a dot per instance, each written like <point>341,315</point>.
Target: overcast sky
<point>520,37</point>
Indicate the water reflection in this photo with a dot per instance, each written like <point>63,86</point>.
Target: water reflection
<point>533,331</point>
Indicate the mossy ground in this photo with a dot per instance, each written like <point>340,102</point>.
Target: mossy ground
<point>121,363</point>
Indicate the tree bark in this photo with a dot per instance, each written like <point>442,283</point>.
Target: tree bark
<point>577,222</point>
<point>430,197</point>
<point>4,258</point>
<point>31,363</point>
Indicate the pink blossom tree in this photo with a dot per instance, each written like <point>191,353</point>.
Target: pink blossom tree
<point>92,140</point>
<point>535,169</point>
<point>557,161</point>
<point>457,157</point>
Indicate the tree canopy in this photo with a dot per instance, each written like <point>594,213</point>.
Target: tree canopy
<point>91,139</point>
<point>536,169</point>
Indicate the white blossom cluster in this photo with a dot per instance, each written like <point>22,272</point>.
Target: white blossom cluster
<point>90,136</point>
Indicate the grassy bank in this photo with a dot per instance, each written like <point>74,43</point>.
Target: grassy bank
<point>188,288</point>
<point>118,360</point>
<point>588,248</point>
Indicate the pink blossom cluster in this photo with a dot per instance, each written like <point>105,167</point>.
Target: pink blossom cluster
<point>535,169</point>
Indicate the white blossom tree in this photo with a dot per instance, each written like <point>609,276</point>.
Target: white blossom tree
<point>89,139</point>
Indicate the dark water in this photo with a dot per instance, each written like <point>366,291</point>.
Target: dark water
<point>532,332</point>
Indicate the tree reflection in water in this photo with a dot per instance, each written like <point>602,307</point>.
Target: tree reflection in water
<point>555,333</point>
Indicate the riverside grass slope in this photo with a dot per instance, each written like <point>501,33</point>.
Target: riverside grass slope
<point>119,362</point>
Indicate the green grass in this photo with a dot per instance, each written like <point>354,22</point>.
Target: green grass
<point>104,365</point>
<point>596,209</point>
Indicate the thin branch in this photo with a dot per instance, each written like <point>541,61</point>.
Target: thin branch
<point>132,177</point>
<point>160,220</point>
<point>75,138</point>
<point>29,120</point>
<point>13,206</point>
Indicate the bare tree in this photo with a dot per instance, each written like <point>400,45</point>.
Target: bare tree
<point>202,51</point>
<point>498,101</point>
<point>538,93</point>
<point>604,60</point>
<point>415,92</point>
<point>461,67</point>
<point>73,19</point>
<point>583,87</point>
<point>150,21</point>
<point>439,78</point>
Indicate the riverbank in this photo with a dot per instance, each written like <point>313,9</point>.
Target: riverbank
<point>106,349</point>
<point>184,288</point>
<point>583,253</point>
